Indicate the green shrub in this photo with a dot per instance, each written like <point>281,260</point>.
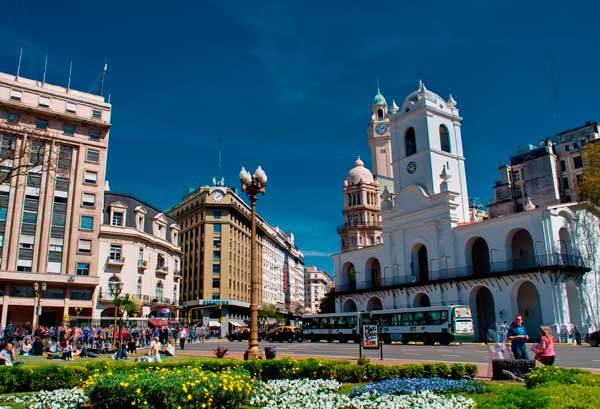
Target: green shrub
<point>559,376</point>
<point>472,370</point>
<point>55,376</point>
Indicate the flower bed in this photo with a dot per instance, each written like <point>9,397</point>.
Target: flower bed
<point>418,385</point>
<point>58,398</point>
<point>317,394</point>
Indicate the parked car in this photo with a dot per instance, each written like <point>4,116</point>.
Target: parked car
<point>593,338</point>
<point>285,333</point>
<point>243,334</point>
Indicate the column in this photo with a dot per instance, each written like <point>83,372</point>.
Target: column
<point>5,301</point>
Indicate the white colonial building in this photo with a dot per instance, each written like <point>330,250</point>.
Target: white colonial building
<point>541,262</point>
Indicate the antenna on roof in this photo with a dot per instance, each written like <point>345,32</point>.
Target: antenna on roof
<point>45,66</point>
<point>555,98</point>
<point>19,65</point>
<point>70,70</point>
<point>103,76</point>
<point>220,143</point>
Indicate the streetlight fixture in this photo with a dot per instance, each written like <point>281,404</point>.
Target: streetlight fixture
<point>253,185</point>
<point>115,288</point>
<point>38,305</point>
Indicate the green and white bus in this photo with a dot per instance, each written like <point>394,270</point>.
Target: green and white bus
<point>443,324</point>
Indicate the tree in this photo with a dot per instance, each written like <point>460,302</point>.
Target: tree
<point>328,302</point>
<point>589,185</point>
<point>269,311</point>
<point>18,158</point>
<point>130,305</point>
<point>297,308</point>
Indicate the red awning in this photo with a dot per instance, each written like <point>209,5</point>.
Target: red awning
<point>157,323</point>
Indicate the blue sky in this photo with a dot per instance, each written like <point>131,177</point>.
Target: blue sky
<point>288,85</point>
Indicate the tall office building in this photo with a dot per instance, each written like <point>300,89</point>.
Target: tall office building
<point>317,283</point>
<point>53,161</point>
<point>215,236</point>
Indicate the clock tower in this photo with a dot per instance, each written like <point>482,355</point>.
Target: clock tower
<point>380,140</point>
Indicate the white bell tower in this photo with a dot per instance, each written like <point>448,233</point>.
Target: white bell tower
<point>427,149</point>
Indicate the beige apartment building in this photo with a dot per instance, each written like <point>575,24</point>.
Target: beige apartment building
<point>53,160</point>
<point>215,230</point>
<point>317,283</point>
<point>139,249</point>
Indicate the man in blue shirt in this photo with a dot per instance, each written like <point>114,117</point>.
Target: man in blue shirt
<point>517,334</point>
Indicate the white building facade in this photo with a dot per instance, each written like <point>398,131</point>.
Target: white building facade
<point>542,263</point>
<point>317,283</point>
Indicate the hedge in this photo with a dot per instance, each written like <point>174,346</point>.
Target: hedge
<point>518,367</point>
<point>54,376</point>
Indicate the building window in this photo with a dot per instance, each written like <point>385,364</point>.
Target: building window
<point>410,142</point>
<point>216,254</point>
<point>567,147</point>
<point>44,101</point>
<point>445,139</point>
<point>15,94</point>
<point>216,283</point>
<point>89,200</point>
<point>85,246</point>
<point>159,290</point>
<point>113,282</point>
<point>565,183</point>
<point>90,178</point>
<point>160,261</point>
<point>12,117</point>
<point>216,268</point>
<point>217,228</point>
<point>577,162</point>
<point>117,219</point>
<point>69,129</point>
<point>92,155</point>
<point>41,123</point>
<point>563,166</point>
<point>217,214</point>
<point>82,269</point>
<point>116,251</point>
<point>94,134</point>
<point>96,113</point>
<point>216,241</point>
<point>139,288</point>
<point>71,107</point>
<point>87,223</point>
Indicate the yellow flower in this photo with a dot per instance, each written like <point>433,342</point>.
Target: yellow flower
<point>138,391</point>
<point>189,397</point>
<point>133,403</point>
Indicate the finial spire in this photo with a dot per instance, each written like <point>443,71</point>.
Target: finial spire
<point>378,91</point>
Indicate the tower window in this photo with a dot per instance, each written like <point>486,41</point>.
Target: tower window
<point>380,114</point>
<point>410,142</point>
<point>444,139</point>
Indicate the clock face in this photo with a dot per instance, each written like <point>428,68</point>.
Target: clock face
<point>381,129</point>
<point>217,196</point>
<point>411,167</point>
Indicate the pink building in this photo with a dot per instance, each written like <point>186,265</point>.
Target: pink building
<point>52,170</point>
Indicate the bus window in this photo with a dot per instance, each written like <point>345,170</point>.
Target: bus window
<point>462,312</point>
<point>418,318</point>
<point>396,319</point>
<point>444,317</point>
<point>352,321</point>
<point>434,318</point>
<point>406,319</point>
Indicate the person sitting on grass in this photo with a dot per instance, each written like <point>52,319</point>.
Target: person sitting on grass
<point>121,352</point>
<point>131,346</point>
<point>38,347</point>
<point>67,354</point>
<point>169,349</point>
<point>154,350</point>
<point>7,355</point>
<point>26,347</point>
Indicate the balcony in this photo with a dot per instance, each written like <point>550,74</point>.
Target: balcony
<point>553,261</point>
<point>177,274</point>
<point>162,270</point>
<point>142,265</point>
<point>358,225</point>
<point>115,261</point>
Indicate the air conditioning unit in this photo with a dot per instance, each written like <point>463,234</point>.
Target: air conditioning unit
<point>413,279</point>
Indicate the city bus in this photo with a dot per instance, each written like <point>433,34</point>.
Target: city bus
<point>342,327</point>
<point>443,324</point>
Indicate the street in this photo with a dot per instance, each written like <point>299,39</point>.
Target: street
<point>568,356</point>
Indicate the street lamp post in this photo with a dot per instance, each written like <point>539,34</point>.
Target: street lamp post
<point>116,286</point>
<point>38,301</point>
<point>253,185</point>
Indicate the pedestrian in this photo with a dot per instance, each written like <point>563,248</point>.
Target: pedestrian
<point>202,334</point>
<point>575,334</point>
<point>544,351</point>
<point>182,336</point>
<point>517,334</point>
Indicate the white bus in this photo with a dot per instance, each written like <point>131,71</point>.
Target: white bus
<point>343,327</point>
<point>443,324</point>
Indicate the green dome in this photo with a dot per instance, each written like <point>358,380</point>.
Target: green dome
<point>379,99</point>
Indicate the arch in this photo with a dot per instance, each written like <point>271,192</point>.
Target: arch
<point>108,312</point>
<point>349,306</point>
<point>574,305</point>
<point>520,247</point>
<point>373,269</point>
<point>484,319</point>
<point>528,305</point>
<point>445,139</point>
<point>410,141</point>
<point>374,303</point>
<point>421,300</point>
<point>478,254</point>
<point>349,274</point>
<point>564,242</point>
<point>420,263</point>
<point>159,290</point>
<point>380,114</point>
<point>111,281</point>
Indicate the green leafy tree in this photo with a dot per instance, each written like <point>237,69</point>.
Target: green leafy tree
<point>589,185</point>
<point>267,312</point>
<point>328,302</point>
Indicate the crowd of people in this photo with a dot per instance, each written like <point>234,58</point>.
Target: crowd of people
<point>68,341</point>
